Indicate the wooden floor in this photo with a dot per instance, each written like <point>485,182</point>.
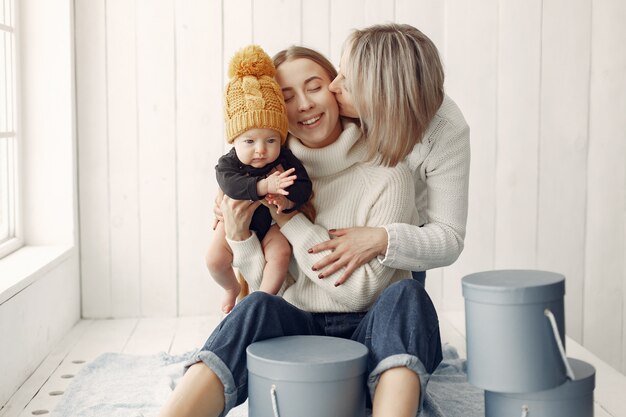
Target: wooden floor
<point>89,338</point>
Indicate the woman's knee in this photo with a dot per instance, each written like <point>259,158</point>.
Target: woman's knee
<point>265,315</point>
<point>409,298</point>
<point>253,310</point>
<point>259,301</point>
<point>406,288</point>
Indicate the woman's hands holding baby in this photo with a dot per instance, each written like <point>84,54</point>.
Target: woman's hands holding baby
<point>350,249</point>
<point>237,215</point>
<point>273,188</point>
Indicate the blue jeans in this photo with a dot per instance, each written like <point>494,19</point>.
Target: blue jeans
<point>400,330</point>
<point>419,276</point>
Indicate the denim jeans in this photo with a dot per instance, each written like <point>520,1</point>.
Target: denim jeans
<point>401,329</point>
<point>419,276</point>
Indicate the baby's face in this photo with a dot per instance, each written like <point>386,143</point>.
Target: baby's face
<point>257,147</point>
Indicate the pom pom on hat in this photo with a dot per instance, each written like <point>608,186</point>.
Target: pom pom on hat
<point>252,98</point>
<point>251,60</point>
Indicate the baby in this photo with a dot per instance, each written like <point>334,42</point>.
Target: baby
<point>258,166</point>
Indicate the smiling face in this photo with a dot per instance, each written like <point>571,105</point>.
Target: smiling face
<point>338,87</point>
<point>311,107</point>
<point>257,147</point>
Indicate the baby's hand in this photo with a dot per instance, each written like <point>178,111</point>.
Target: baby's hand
<point>278,181</point>
<point>280,201</point>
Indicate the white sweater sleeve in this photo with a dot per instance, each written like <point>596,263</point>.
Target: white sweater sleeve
<point>369,280</point>
<point>440,241</point>
<point>248,258</point>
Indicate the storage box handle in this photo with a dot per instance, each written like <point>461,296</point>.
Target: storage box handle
<point>524,410</point>
<point>274,400</point>
<point>557,337</point>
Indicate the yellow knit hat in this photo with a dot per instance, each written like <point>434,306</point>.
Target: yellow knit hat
<point>252,98</point>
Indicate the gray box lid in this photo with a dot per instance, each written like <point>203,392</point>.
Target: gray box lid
<point>583,384</point>
<point>513,286</point>
<point>307,358</point>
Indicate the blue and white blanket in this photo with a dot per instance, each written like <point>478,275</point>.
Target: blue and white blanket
<point>120,385</point>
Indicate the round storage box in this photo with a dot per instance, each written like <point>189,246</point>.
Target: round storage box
<point>511,346</point>
<point>572,399</point>
<point>306,376</point>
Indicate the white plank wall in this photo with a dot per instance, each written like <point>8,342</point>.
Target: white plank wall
<point>563,148</point>
<point>123,156</point>
<point>605,247</point>
<point>94,180</point>
<point>541,83</point>
<point>199,130</point>
<point>156,96</point>
<point>316,25</point>
<point>519,71</point>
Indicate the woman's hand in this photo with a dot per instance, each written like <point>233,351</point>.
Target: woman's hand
<point>217,212</point>
<point>237,215</point>
<point>350,248</point>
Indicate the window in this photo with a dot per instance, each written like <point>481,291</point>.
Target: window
<point>9,227</point>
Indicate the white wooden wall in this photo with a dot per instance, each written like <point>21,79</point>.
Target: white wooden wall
<point>542,84</point>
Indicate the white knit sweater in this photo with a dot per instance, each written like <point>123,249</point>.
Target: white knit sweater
<point>440,166</point>
<point>348,192</point>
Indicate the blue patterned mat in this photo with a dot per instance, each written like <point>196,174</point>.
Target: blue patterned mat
<point>119,385</point>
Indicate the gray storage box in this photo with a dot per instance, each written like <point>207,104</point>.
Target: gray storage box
<point>307,376</point>
<point>511,346</point>
<point>572,399</point>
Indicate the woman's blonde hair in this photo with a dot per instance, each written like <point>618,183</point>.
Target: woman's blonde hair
<point>296,52</point>
<point>395,77</point>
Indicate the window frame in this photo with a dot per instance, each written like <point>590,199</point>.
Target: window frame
<point>10,199</point>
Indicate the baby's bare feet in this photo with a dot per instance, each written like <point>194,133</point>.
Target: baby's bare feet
<point>229,299</point>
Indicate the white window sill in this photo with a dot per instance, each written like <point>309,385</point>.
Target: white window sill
<point>26,265</point>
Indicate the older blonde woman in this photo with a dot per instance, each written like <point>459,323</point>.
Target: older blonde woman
<point>391,79</point>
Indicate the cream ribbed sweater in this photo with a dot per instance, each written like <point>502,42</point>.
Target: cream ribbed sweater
<point>440,166</point>
<point>348,192</point>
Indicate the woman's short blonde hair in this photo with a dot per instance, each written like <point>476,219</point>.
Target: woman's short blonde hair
<point>296,52</point>
<point>395,77</point>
